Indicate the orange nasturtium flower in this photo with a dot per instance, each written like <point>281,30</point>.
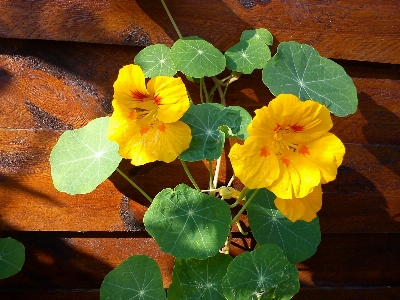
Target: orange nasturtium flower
<point>289,150</point>
<point>145,122</point>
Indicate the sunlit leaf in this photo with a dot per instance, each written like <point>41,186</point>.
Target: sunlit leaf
<point>298,69</point>
<point>187,223</point>
<point>83,158</point>
<point>12,257</point>
<point>138,277</point>
<point>199,279</point>
<point>259,34</point>
<point>247,55</point>
<point>264,273</point>
<point>155,60</point>
<point>197,58</point>
<point>298,240</point>
<point>205,121</point>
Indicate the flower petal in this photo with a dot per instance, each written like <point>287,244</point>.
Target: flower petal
<point>130,87</point>
<point>293,209</point>
<point>254,163</point>
<point>327,153</point>
<point>171,97</point>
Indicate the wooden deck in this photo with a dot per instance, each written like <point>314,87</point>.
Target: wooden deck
<point>58,62</point>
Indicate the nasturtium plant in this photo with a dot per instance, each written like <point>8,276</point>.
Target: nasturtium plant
<point>83,158</point>
<point>12,257</point>
<point>299,69</point>
<point>284,148</point>
<point>138,277</point>
<point>187,223</point>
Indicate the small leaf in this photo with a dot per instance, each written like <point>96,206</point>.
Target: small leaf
<point>298,240</point>
<point>138,277</point>
<point>264,273</point>
<point>298,69</point>
<point>83,158</point>
<point>187,223</point>
<point>247,55</point>
<point>155,60</point>
<point>12,257</point>
<point>199,279</point>
<point>205,121</point>
<point>197,58</point>
<point>260,34</point>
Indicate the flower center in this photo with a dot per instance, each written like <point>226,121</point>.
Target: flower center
<point>284,137</point>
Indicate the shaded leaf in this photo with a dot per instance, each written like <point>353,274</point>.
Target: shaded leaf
<point>12,257</point>
<point>83,158</point>
<point>259,34</point>
<point>138,277</point>
<point>199,279</point>
<point>298,69</point>
<point>187,223</point>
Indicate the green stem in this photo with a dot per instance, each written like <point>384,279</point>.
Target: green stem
<point>240,228</point>
<point>216,174</point>
<point>243,194</point>
<point>189,175</point>
<point>220,92</point>
<point>234,220</point>
<point>205,91</point>
<point>135,185</point>
<point>201,89</point>
<point>171,19</point>
<point>211,187</point>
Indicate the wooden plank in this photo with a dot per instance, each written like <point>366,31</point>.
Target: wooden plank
<point>80,261</point>
<point>357,30</point>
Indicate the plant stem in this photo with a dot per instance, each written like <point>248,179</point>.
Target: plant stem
<point>216,174</point>
<point>220,92</point>
<point>243,194</point>
<point>205,91</point>
<point>135,185</point>
<point>240,228</point>
<point>201,90</point>
<point>211,186</point>
<point>189,175</point>
<point>234,220</point>
<point>171,19</point>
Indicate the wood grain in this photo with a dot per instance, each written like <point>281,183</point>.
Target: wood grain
<point>369,30</point>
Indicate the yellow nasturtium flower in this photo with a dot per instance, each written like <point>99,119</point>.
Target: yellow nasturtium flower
<point>145,122</point>
<point>289,150</point>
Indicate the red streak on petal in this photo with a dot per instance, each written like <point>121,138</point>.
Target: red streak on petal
<point>304,150</point>
<point>264,152</point>
<point>138,95</point>
<point>297,128</point>
<point>162,127</point>
<point>143,130</point>
<point>286,161</point>
<point>277,127</point>
<point>157,99</point>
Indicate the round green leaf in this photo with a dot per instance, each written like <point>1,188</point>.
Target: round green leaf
<point>247,55</point>
<point>83,158</point>
<point>187,223</point>
<point>264,273</point>
<point>12,257</point>
<point>138,277</point>
<point>199,279</point>
<point>197,58</point>
<point>260,34</point>
<point>298,240</point>
<point>155,60</point>
<point>206,122</point>
<point>298,69</point>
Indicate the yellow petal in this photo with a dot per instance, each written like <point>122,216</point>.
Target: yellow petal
<point>293,209</point>
<point>171,97</point>
<point>327,153</point>
<point>130,88</point>
<point>254,163</point>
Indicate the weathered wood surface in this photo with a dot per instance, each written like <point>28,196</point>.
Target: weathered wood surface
<point>47,87</point>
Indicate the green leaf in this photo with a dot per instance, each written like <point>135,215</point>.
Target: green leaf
<point>247,55</point>
<point>264,273</point>
<point>197,58</point>
<point>298,240</point>
<point>155,60</point>
<point>187,223</point>
<point>138,277</point>
<point>298,69</point>
<point>83,158</point>
<point>12,257</point>
<point>199,279</point>
<point>205,121</point>
<point>260,34</point>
